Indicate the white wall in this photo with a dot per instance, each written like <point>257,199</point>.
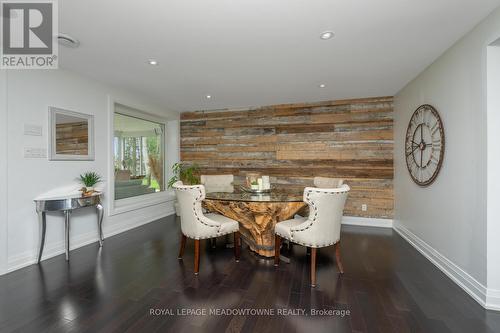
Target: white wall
<point>174,148</point>
<point>448,219</point>
<point>29,94</point>
<point>3,172</point>
<point>493,126</point>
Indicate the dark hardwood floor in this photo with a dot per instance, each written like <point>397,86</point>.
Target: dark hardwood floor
<point>387,287</point>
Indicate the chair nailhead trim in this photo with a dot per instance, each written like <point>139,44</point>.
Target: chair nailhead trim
<point>199,199</point>
<point>309,245</point>
<point>207,237</point>
<point>315,217</point>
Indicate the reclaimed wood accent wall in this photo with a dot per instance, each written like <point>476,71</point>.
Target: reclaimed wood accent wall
<point>293,143</point>
<point>72,138</point>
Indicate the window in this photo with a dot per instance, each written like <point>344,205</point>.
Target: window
<point>138,150</point>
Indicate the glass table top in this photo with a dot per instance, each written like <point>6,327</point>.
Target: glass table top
<point>276,195</point>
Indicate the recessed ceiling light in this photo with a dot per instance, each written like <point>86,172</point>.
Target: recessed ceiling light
<point>322,85</point>
<point>67,40</point>
<point>208,96</point>
<point>327,35</point>
<point>153,62</point>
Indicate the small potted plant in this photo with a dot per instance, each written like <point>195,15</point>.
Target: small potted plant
<point>254,185</point>
<point>89,180</point>
<point>188,174</point>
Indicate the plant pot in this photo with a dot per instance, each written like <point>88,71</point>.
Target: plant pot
<point>87,191</point>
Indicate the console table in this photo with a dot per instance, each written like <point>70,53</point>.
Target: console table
<point>66,204</point>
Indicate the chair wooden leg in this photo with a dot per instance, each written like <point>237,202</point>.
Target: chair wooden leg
<point>337,256</point>
<point>277,245</point>
<point>237,246</point>
<point>213,242</point>
<point>196,256</point>
<point>313,267</point>
<point>182,247</point>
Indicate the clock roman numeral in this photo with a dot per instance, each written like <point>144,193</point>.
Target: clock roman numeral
<point>411,149</point>
<point>436,142</point>
<point>434,128</point>
<point>424,130</point>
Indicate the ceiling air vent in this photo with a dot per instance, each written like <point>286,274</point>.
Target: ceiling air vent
<point>67,40</point>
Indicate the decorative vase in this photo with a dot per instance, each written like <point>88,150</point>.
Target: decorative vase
<point>87,191</point>
<point>251,177</point>
<point>266,183</point>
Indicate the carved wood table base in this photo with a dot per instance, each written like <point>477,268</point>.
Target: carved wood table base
<point>257,220</point>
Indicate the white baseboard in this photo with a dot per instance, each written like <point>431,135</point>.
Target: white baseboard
<point>463,279</point>
<point>51,250</point>
<point>367,221</point>
<point>493,299</point>
<point>29,257</point>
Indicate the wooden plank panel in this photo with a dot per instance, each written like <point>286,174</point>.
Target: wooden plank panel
<point>343,136</point>
<point>334,154</point>
<point>351,139</point>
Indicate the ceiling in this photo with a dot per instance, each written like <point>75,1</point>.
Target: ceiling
<point>260,52</point>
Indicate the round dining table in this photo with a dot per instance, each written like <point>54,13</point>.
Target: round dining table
<point>257,214</point>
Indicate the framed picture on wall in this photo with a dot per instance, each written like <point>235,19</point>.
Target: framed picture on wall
<point>71,135</point>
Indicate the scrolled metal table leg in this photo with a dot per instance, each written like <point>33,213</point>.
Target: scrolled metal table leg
<point>67,214</point>
<point>43,228</point>
<point>100,216</point>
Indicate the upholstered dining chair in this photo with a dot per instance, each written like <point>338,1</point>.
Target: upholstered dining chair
<point>325,182</point>
<point>197,225</point>
<point>320,229</point>
<point>213,183</point>
<point>217,183</point>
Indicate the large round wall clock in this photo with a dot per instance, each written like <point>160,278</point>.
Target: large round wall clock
<point>424,147</point>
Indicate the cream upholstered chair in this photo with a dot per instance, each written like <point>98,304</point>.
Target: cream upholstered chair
<point>218,183</point>
<point>197,226</point>
<point>213,183</point>
<point>320,229</point>
<point>325,182</point>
